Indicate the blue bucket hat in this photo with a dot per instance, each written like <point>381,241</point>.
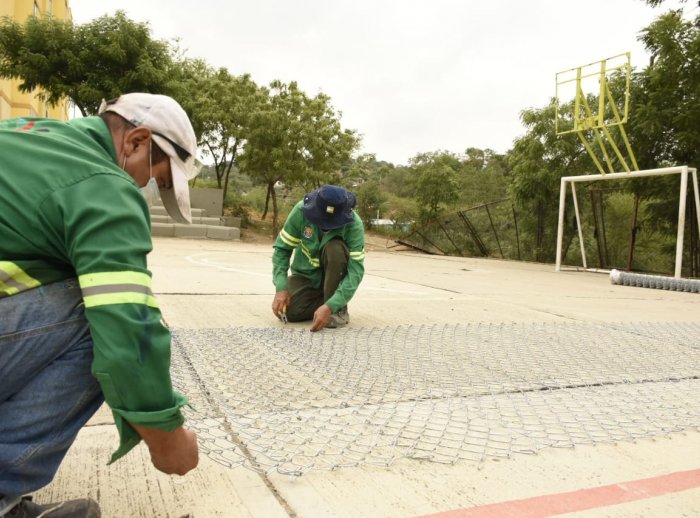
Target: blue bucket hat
<point>329,207</point>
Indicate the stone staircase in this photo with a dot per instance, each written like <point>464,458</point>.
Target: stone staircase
<point>202,227</point>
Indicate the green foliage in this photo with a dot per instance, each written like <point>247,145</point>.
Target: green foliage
<point>99,60</point>
<point>666,94</point>
<point>607,246</point>
<point>436,182</point>
<point>237,205</point>
<point>656,3</point>
<point>399,181</point>
<point>296,140</point>
<point>482,177</point>
<point>275,143</point>
<point>358,170</point>
<point>221,106</point>
<point>370,200</point>
<point>537,162</point>
<point>402,210</point>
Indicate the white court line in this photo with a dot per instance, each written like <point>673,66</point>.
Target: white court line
<point>208,262</point>
<point>407,292</point>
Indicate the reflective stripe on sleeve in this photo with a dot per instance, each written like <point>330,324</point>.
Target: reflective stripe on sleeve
<point>104,288</point>
<point>14,280</point>
<point>313,261</point>
<point>289,239</point>
<point>358,256</point>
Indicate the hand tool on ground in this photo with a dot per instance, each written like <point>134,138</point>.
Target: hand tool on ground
<point>283,314</point>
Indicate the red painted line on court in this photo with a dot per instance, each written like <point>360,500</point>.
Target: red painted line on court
<point>591,498</point>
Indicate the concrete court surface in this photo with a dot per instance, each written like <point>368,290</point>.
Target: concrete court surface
<point>207,284</point>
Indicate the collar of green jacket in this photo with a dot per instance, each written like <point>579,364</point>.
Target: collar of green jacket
<point>97,130</point>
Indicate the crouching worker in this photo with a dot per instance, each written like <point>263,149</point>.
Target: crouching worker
<point>78,321</point>
<point>328,241</point>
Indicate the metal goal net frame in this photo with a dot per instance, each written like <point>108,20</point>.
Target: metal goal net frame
<point>683,171</point>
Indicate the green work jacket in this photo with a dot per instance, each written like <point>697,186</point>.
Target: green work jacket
<point>306,240</point>
<point>68,210</point>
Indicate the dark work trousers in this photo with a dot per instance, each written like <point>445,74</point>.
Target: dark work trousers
<point>305,298</point>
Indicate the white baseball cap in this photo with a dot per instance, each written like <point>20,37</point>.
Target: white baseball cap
<point>172,132</point>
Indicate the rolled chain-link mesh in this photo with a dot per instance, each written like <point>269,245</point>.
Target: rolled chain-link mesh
<point>658,282</point>
<point>292,401</point>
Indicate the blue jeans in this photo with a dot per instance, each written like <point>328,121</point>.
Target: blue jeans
<point>47,391</point>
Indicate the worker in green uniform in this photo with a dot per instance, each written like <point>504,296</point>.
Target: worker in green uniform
<point>78,321</point>
<point>328,241</point>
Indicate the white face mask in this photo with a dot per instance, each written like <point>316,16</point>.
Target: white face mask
<point>150,191</point>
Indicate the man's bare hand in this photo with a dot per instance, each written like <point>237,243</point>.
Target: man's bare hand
<point>321,318</point>
<point>174,453</point>
<point>280,302</point>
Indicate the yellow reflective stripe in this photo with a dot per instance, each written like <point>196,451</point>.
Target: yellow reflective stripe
<point>314,262</point>
<point>289,236</point>
<point>126,287</point>
<point>6,291</point>
<point>105,278</point>
<point>289,239</point>
<point>14,280</point>
<point>357,256</point>
<point>104,299</point>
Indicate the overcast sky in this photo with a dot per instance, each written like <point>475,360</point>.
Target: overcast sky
<point>409,76</point>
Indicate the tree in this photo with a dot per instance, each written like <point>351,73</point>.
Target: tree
<point>537,161</point>
<point>358,170</point>
<point>482,177</point>
<point>99,60</point>
<point>369,201</point>
<point>295,140</point>
<point>436,184</point>
<point>220,106</point>
<point>656,3</point>
<point>663,130</point>
<point>399,181</point>
<point>666,95</point>
<point>664,115</point>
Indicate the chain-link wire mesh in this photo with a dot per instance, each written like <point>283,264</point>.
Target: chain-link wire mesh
<point>291,401</point>
<point>658,282</point>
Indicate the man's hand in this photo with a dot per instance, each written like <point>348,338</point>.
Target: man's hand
<point>280,302</point>
<point>321,318</point>
<point>174,453</point>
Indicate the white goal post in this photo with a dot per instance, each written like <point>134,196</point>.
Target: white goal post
<point>573,180</point>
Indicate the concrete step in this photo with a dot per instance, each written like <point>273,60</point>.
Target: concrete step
<point>195,220</point>
<point>159,210</point>
<point>195,231</point>
<point>202,227</point>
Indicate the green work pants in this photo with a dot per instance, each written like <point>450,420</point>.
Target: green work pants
<point>305,298</point>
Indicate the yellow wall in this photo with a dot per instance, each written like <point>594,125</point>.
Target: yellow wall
<point>14,103</point>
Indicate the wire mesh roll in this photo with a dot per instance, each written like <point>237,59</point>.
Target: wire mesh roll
<point>658,282</point>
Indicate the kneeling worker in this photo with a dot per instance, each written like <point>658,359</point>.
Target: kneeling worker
<point>78,321</point>
<point>328,241</point>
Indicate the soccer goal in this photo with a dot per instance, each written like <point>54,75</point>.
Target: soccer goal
<point>683,171</point>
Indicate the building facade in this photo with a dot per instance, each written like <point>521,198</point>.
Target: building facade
<point>14,103</point>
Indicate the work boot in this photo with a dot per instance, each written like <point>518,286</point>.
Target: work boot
<point>81,508</point>
<point>339,319</point>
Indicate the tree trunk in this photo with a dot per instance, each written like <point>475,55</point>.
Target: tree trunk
<point>217,165</point>
<point>270,187</point>
<point>228,169</point>
<point>275,214</point>
<point>633,233</point>
<point>228,172</point>
<point>540,232</point>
